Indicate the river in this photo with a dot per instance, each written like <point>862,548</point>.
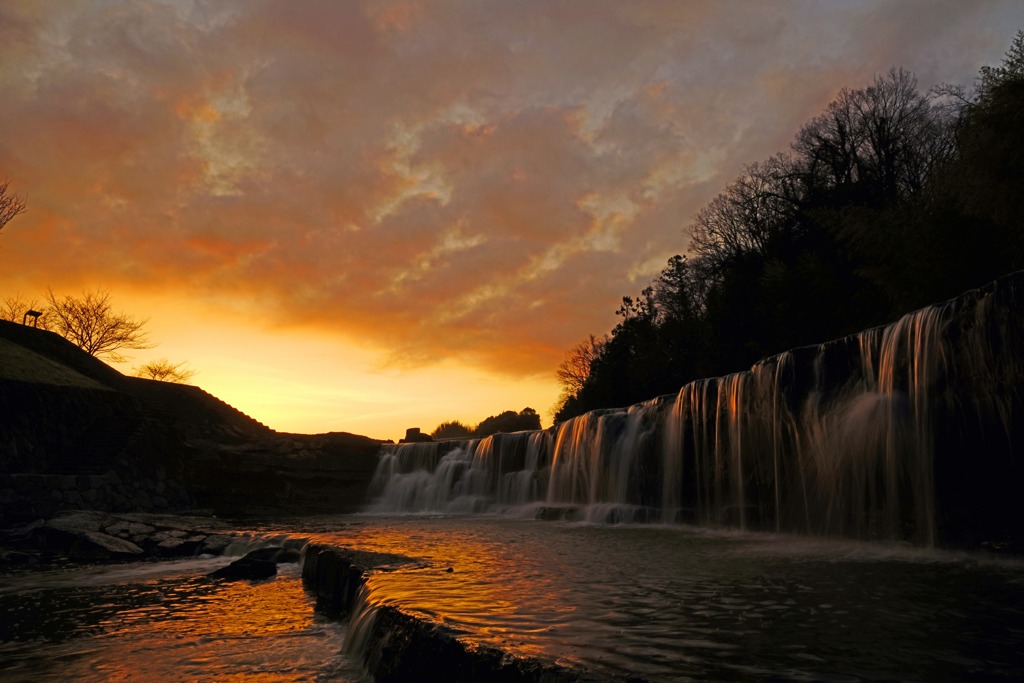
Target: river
<point>664,603</point>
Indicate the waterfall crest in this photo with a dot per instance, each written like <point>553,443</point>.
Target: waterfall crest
<point>902,432</point>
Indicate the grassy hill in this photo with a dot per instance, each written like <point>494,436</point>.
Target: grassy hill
<point>24,365</point>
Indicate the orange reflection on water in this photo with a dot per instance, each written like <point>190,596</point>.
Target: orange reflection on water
<point>490,591</point>
<point>207,629</point>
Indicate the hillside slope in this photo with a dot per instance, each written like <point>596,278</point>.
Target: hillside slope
<point>76,433</point>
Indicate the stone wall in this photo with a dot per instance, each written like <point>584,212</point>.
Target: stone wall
<point>26,497</point>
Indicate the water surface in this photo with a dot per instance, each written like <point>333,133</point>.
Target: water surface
<point>165,621</point>
<point>674,603</point>
<point>658,602</point>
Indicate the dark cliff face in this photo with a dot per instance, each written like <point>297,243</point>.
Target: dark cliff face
<point>75,433</point>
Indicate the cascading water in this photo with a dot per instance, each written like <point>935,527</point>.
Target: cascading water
<point>887,434</point>
<point>479,475</point>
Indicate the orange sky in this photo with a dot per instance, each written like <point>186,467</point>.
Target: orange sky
<point>366,216</point>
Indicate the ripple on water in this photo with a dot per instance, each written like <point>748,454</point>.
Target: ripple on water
<point>175,625</point>
<point>662,603</point>
<point>670,602</point>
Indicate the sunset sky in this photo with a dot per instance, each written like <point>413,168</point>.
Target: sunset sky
<point>367,216</point>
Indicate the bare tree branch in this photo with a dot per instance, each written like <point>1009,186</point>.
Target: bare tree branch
<point>13,309</point>
<point>575,368</point>
<point>165,371</point>
<point>89,323</point>
<point>11,204</point>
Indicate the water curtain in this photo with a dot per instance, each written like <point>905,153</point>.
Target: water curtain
<point>890,434</point>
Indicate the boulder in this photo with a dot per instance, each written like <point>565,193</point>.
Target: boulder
<point>246,568</point>
<point>216,544</point>
<point>96,545</point>
<point>276,554</point>
<point>179,547</point>
<point>91,536</point>
<point>86,545</point>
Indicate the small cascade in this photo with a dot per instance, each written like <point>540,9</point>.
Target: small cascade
<point>491,474</point>
<point>902,432</point>
<point>361,621</point>
<point>602,463</point>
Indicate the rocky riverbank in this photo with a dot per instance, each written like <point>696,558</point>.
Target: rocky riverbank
<point>88,536</point>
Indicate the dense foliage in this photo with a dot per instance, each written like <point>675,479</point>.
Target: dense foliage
<point>452,429</point>
<point>508,421</point>
<point>889,200</point>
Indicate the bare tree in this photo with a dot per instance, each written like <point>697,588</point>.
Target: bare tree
<point>574,370</point>
<point>10,204</point>
<point>888,138</point>
<point>13,309</point>
<point>91,324</point>
<point>752,210</point>
<point>165,371</point>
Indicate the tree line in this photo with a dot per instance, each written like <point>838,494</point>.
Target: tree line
<point>508,421</point>
<point>889,200</point>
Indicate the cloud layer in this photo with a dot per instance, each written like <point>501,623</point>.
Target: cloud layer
<point>479,181</point>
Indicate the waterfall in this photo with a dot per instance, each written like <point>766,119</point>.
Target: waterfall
<point>363,616</point>
<point>902,432</point>
<point>491,474</point>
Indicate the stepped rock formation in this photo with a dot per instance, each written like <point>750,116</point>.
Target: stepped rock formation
<point>396,646</point>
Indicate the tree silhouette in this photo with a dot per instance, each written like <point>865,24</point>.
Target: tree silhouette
<point>90,323</point>
<point>574,370</point>
<point>13,309</point>
<point>889,200</point>
<point>452,429</point>
<point>509,421</point>
<point>11,204</point>
<point>165,371</point>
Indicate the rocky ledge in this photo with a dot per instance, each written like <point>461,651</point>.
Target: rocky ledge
<point>396,646</point>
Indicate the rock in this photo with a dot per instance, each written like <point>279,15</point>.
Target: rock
<point>100,546</point>
<point>334,575</point>
<point>141,500</point>
<point>179,547</point>
<point>91,536</point>
<point>85,545</point>
<point>276,554</point>
<point>216,544</point>
<point>129,529</point>
<point>554,513</point>
<point>399,646</point>
<point>16,558</point>
<point>78,521</point>
<point>246,568</point>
